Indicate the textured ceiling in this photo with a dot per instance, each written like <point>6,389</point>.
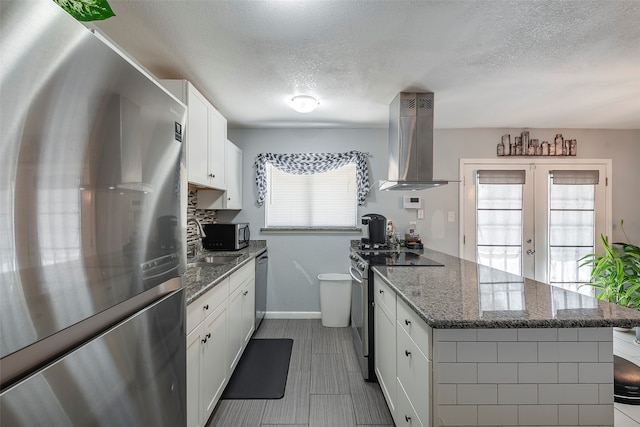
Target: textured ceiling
<point>538,64</point>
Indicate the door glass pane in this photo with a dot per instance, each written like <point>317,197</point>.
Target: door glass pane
<point>571,228</point>
<point>499,226</point>
<point>571,234</point>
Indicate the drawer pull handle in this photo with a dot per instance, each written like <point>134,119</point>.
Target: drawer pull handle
<point>407,353</point>
<point>245,293</point>
<point>206,307</point>
<point>407,322</point>
<point>407,418</point>
<point>381,291</point>
<point>206,337</point>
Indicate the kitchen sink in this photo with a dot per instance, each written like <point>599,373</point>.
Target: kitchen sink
<point>212,260</point>
<point>218,259</point>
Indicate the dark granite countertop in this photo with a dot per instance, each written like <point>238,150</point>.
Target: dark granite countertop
<point>463,294</point>
<point>198,280</point>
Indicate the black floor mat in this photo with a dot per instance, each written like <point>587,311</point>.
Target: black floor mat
<point>262,370</point>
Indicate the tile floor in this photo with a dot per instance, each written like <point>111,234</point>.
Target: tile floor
<point>324,385</point>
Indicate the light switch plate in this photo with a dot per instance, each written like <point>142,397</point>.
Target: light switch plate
<point>420,213</point>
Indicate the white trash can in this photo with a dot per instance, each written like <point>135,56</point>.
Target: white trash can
<point>335,299</point>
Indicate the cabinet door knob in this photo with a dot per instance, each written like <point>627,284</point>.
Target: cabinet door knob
<point>209,335</point>
<point>381,291</point>
<point>407,418</point>
<point>205,307</point>
<point>245,293</point>
<point>229,198</point>
<point>407,353</point>
<point>407,322</point>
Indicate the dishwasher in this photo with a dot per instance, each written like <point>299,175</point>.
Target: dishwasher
<point>261,287</point>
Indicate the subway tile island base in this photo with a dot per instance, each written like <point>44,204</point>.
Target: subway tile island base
<point>479,347</point>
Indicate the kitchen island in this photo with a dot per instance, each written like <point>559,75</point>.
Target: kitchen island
<point>477,346</point>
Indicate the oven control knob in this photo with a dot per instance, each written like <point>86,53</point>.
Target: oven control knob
<point>361,266</point>
<point>352,256</point>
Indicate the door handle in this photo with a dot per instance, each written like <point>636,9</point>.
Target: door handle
<point>530,252</point>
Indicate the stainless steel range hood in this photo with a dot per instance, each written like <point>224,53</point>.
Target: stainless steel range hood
<point>411,143</point>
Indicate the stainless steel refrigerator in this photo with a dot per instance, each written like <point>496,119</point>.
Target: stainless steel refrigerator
<point>92,230</point>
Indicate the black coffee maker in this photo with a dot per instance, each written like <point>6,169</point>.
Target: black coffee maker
<point>377,228</point>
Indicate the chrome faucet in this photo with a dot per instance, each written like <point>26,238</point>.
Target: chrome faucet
<point>198,247</point>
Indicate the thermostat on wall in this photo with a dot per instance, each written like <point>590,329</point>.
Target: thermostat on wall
<point>412,202</point>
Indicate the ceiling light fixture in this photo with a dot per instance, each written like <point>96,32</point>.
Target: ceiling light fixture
<point>304,103</point>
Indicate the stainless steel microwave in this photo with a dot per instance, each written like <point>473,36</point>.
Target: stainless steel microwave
<point>226,237</point>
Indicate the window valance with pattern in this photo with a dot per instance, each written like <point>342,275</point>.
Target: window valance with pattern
<point>312,163</point>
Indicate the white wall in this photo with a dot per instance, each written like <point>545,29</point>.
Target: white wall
<point>296,259</point>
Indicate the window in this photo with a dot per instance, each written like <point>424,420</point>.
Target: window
<point>325,199</point>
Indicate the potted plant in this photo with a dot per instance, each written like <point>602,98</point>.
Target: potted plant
<point>616,274</point>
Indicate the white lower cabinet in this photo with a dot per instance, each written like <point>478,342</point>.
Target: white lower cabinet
<point>402,358</point>
<point>385,341</point>
<point>219,325</point>
<point>206,353</point>
<point>194,415</point>
<point>241,312</point>
<point>413,371</point>
<point>405,413</point>
<point>214,370</point>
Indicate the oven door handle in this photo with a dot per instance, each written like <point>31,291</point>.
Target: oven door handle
<point>353,276</point>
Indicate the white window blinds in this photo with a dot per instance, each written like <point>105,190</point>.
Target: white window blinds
<point>327,199</point>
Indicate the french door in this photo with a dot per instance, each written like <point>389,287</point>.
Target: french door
<point>535,217</point>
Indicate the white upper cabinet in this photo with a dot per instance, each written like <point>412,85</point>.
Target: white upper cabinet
<point>205,136</point>
<point>232,197</point>
<point>217,148</point>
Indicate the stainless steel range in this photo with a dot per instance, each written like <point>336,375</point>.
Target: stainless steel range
<point>362,297</point>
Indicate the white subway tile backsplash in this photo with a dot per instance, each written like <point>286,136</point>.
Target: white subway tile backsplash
<point>447,394</point>
<point>567,334</point>
<point>524,377</point>
<point>534,373</point>
<point>458,415</point>
<point>497,373</point>
<point>595,415</point>
<point>457,373</point>
<point>568,393</point>
<point>477,394</point>
<point>535,334</point>
<point>502,415</point>
<point>595,373</point>
<point>595,334</point>
<point>605,394</point>
<point>477,352</point>
<point>568,352</point>
<point>446,351</point>
<point>514,394</point>
<point>517,352</point>
<point>497,335</point>
<point>541,415</point>
<point>605,351</point>
<point>455,334</point>
<point>567,373</point>
<point>568,415</point>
